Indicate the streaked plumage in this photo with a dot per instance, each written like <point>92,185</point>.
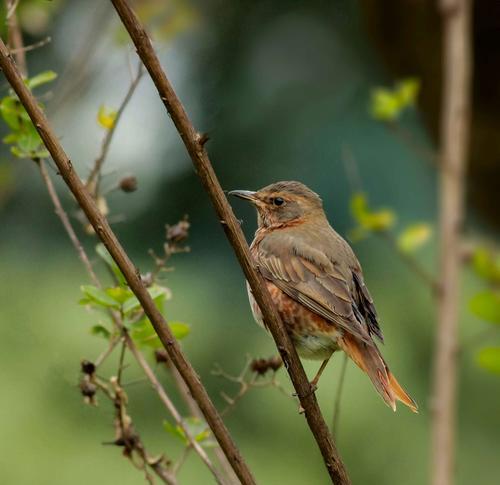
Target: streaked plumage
<point>317,283</point>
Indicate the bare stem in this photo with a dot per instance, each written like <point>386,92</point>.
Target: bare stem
<point>338,396</point>
<point>427,278</point>
<point>456,101</point>
<point>61,213</point>
<point>16,36</point>
<point>95,174</point>
<point>130,272</point>
<point>195,145</point>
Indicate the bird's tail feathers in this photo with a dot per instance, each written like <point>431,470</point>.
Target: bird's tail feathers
<point>369,359</point>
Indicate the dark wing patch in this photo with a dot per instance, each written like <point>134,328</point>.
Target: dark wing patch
<point>316,283</point>
<point>364,305</point>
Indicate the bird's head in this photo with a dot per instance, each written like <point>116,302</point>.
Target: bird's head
<point>283,203</point>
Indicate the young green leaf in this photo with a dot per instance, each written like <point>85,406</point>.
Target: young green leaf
<point>414,237</point>
<point>489,359</point>
<point>106,116</point>
<point>486,305</point>
<point>380,220</point>
<point>197,428</point>
<point>157,293</point>
<point>101,331</point>
<point>42,78</point>
<point>486,264</point>
<point>10,109</point>
<point>106,257</point>
<point>99,297</point>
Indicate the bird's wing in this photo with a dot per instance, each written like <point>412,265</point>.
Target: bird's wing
<point>310,278</point>
<point>364,304</point>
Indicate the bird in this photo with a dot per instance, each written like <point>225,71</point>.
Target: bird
<point>317,284</point>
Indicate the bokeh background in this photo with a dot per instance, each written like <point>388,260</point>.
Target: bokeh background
<point>283,88</point>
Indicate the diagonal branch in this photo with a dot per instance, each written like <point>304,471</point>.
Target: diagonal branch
<point>169,405</point>
<point>130,272</point>
<point>194,143</point>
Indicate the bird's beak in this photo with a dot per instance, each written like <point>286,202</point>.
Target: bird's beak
<point>244,194</point>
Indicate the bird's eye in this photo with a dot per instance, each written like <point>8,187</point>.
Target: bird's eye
<point>278,201</point>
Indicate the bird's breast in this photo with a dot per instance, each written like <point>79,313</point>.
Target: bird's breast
<point>313,336</point>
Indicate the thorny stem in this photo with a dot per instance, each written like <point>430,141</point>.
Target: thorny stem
<point>88,266</point>
<point>130,272</point>
<point>195,145</point>
<point>130,343</point>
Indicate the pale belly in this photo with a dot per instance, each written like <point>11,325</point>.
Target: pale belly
<point>314,338</point>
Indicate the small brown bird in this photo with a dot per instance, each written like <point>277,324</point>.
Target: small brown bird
<point>316,283</point>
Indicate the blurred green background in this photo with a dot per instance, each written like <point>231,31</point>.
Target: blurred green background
<point>283,88</point>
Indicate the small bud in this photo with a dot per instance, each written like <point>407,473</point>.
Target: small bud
<point>87,388</point>
<point>161,356</point>
<point>87,367</point>
<point>178,232</point>
<point>261,366</point>
<point>128,184</point>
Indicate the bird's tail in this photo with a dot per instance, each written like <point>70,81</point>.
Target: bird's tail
<point>369,359</point>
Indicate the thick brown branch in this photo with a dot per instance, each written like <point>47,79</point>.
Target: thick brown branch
<point>194,143</point>
<point>456,95</point>
<point>131,273</point>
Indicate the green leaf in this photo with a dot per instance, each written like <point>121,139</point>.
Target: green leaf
<point>179,329</point>
<point>106,116</point>
<point>407,91</point>
<point>489,359</point>
<point>414,237</point>
<point>119,294</point>
<point>157,293</point>
<point>106,257</point>
<point>28,142</point>
<point>145,335</point>
<point>10,110</point>
<point>101,331</point>
<point>40,79</point>
<point>197,429</point>
<point>380,220</point>
<point>486,264</point>
<point>486,305</point>
<point>10,138</point>
<point>98,296</point>
<point>385,105</point>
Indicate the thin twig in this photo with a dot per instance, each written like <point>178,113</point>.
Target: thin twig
<point>427,278</point>
<point>95,174</point>
<point>32,47</point>
<point>61,213</point>
<point>129,270</point>
<point>16,36</point>
<point>455,119</point>
<point>338,396</point>
<point>195,145</point>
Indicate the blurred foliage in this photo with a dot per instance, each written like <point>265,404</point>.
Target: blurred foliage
<point>368,220</point>
<point>165,20</point>
<point>389,104</point>
<point>196,427</point>
<point>485,304</point>
<point>106,116</point>
<point>25,140</point>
